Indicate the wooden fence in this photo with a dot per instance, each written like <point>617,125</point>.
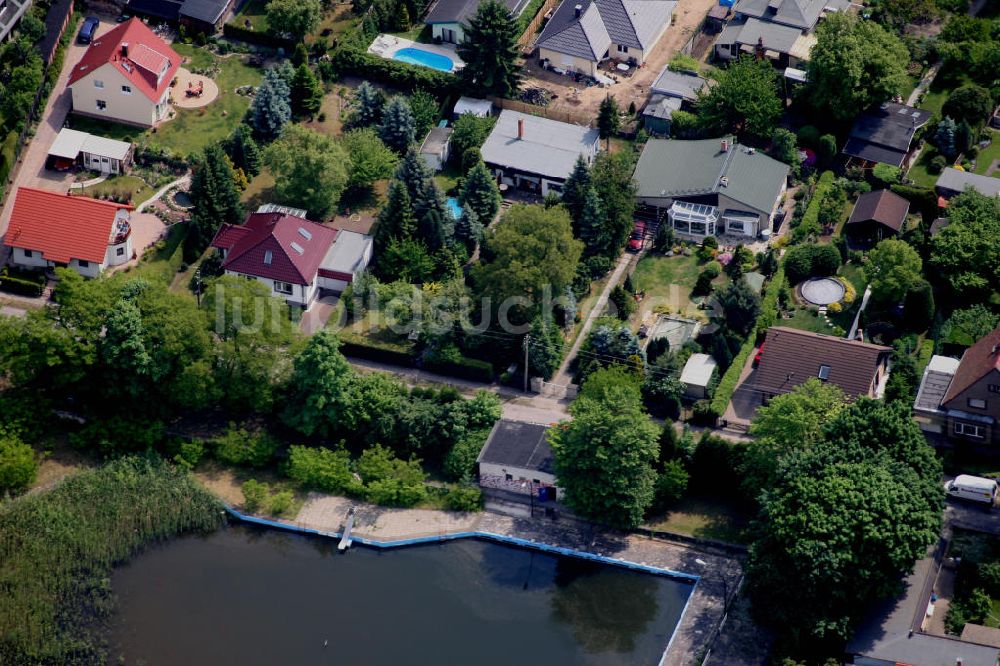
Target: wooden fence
<point>535,110</point>
<point>528,36</point>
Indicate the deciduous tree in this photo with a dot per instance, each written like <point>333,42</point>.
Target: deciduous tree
<point>320,387</point>
<point>745,100</point>
<point>370,159</point>
<point>310,169</point>
<point>295,18</point>
<point>893,267</point>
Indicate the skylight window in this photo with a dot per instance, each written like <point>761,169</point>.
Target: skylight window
<point>824,372</point>
<point>268,256</point>
<point>305,234</point>
<point>298,248</point>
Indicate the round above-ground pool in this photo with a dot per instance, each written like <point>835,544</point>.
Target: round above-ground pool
<point>426,58</point>
<point>822,291</point>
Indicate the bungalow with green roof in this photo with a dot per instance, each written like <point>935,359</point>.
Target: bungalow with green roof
<point>709,187</point>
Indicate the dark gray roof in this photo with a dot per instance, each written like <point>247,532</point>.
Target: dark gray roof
<point>678,84</point>
<point>460,11</point>
<point>885,633</point>
<point>662,107</point>
<point>884,134</point>
<point>518,444</point>
<point>801,14</point>
<point>677,169</point>
<point>549,147</point>
<point>780,38</point>
<point>632,23</point>
<point>207,11</point>
<point>953,180</point>
<point>168,10</point>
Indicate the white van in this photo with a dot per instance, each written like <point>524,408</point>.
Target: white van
<point>973,488</point>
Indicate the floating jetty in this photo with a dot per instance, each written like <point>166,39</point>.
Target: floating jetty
<point>345,541</point>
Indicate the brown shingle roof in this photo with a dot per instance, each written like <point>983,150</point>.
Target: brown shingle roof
<point>978,360</point>
<point>882,206</point>
<point>792,356</point>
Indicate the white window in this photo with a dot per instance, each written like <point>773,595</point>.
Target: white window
<point>120,252</point>
<point>969,430</point>
<point>977,403</point>
<point>282,287</point>
<point>98,84</point>
<point>126,90</point>
<point>101,105</point>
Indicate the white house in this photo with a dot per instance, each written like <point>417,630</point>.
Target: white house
<point>517,458</point>
<point>97,153</point>
<point>125,76</point>
<point>448,18</point>
<point>51,229</point>
<point>536,154</point>
<point>294,257</point>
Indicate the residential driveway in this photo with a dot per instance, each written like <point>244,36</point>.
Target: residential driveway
<point>32,171</point>
<point>146,230</point>
<point>315,318</point>
<point>970,515</point>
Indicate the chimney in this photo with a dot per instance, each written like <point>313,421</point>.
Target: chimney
<point>520,128</point>
<point>725,146</point>
<point>578,9</point>
<point>124,49</point>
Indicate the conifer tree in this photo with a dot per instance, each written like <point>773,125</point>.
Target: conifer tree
<point>591,224</point>
<point>575,190</point>
<point>396,217</point>
<point>490,51</point>
<point>244,151</point>
<point>307,93</point>
<point>216,199</point>
<point>468,228</point>
<point>271,106</point>
<point>398,128</point>
<point>479,191</point>
<point>369,103</point>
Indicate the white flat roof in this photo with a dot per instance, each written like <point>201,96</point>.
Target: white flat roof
<point>70,143</point>
<point>347,253</point>
<point>477,107</point>
<point>698,370</point>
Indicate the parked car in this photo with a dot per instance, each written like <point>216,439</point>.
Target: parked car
<point>88,30</point>
<point>638,235</point>
<point>973,488</point>
<point>760,353</point>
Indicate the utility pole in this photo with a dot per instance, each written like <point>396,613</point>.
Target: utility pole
<point>527,339</point>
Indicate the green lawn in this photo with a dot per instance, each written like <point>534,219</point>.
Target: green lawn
<point>191,130</point>
<point>135,187</point>
<point>708,518</point>
<point>253,11</point>
<point>919,172</point>
<point>667,282</point>
<point>988,154</point>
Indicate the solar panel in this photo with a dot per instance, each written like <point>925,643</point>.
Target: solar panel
<point>298,248</point>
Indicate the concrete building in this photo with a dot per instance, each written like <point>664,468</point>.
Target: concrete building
<point>517,458</point>
<point>536,154</point>
<point>697,376</point>
<point>436,147</point>
<point>51,230</point>
<point>709,187</point>
<point>96,153</point>
<point>581,34</point>
<point>294,257</point>
<point>125,76</point>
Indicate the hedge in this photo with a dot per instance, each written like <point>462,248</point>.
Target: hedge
<point>727,385</point>
<point>240,33</point>
<point>810,219</point>
<point>921,199</point>
<point>360,347</point>
<point>8,154</point>
<point>398,74</point>
<point>464,368</point>
<point>769,304</point>
<point>16,285</point>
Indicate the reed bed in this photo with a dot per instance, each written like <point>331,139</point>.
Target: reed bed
<point>57,550</point>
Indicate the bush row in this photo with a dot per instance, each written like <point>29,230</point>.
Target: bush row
<point>234,31</point>
<point>810,220</point>
<point>463,368</point>
<point>16,285</point>
<point>371,350</point>
<point>402,75</point>
<point>769,304</point>
<point>727,385</point>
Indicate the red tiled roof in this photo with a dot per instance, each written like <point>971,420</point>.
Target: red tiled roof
<point>792,356</point>
<point>147,55</point>
<point>882,206</point>
<point>977,361</point>
<point>61,227</point>
<point>295,256</point>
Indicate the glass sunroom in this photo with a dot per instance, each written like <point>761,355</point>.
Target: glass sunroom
<point>693,219</point>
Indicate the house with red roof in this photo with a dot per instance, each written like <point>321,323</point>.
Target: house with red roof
<point>296,258</point>
<point>961,398</point>
<point>125,76</point>
<point>50,229</point>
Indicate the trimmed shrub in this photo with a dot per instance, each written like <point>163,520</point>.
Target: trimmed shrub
<point>463,368</point>
<point>373,350</point>
<point>239,446</point>
<point>398,74</point>
<point>464,498</point>
<point>254,495</point>
<point>320,468</point>
<point>727,385</point>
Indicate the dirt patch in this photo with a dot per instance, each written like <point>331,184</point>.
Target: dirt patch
<point>58,463</point>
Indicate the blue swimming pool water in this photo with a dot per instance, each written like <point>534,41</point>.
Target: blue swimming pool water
<point>425,58</point>
<point>454,207</point>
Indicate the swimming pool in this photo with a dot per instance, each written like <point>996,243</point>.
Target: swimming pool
<point>454,207</point>
<point>425,58</point>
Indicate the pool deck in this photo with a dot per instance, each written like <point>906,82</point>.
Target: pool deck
<point>713,572</point>
<point>385,46</point>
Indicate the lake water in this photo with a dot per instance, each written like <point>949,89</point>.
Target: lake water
<point>251,597</point>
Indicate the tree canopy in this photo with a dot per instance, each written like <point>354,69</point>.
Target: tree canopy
<point>604,457</point>
<point>490,51</point>
<point>854,65</point>
<point>965,254</point>
<point>271,107</point>
<point>310,169</point>
<point>215,197</point>
<point>295,18</point>
<point>744,101</point>
<point>893,268</point>
<point>370,159</point>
